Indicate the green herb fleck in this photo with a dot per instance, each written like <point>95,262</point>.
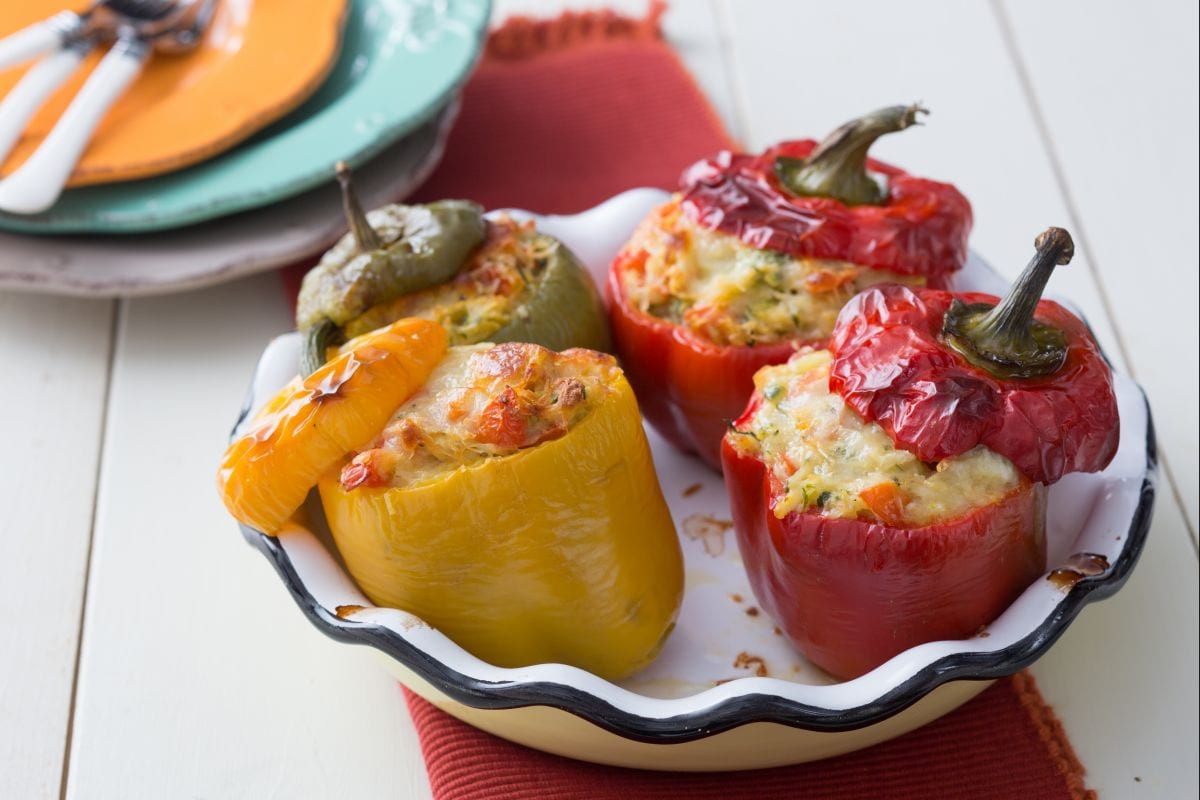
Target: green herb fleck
<point>734,429</point>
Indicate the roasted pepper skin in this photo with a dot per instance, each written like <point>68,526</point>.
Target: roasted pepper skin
<point>562,310</point>
<point>422,246</point>
<point>563,552</point>
<point>689,388</point>
<point>850,594</point>
<point>890,365</point>
<point>311,424</point>
<point>920,229</point>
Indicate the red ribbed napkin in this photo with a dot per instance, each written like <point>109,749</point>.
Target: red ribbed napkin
<point>560,115</point>
<point>1003,745</point>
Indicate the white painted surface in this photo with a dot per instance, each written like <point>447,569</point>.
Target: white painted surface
<point>198,677</point>
<point>51,410</point>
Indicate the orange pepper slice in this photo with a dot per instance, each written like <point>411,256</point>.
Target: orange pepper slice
<point>886,502</point>
<point>310,425</point>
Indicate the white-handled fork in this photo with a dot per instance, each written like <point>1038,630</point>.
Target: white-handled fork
<point>42,37</point>
<point>138,27</point>
<point>43,78</point>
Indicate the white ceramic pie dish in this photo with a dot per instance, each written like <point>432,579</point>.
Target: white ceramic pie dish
<point>727,692</point>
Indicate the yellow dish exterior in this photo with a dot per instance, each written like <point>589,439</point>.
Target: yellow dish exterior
<point>564,552</point>
<point>310,425</point>
<point>756,745</point>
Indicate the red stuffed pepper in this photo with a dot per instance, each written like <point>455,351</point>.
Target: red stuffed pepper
<point>755,257</point>
<point>890,490</point>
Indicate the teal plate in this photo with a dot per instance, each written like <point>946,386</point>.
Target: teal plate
<point>401,61</point>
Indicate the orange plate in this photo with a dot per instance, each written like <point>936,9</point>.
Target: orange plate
<point>258,60</point>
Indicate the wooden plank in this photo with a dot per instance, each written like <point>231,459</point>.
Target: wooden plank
<point>1117,681</point>
<point>199,677</point>
<point>56,366</point>
<point>1117,88</point>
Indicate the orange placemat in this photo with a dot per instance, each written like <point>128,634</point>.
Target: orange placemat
<point>562,114</point>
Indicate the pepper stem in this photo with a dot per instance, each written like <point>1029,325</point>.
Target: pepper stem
<point>1005,339</point>
<point>317,340</point>
<point>364,235</point>
<point>838,167</point>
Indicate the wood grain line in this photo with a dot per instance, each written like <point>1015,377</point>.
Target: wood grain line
<point>114,327</point>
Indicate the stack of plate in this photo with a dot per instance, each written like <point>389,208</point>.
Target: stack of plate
<point>385,92</point>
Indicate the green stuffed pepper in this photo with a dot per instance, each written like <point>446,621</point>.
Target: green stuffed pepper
<point>483,280</point>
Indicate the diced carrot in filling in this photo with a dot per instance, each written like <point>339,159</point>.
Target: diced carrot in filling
<point>821,281</point>
<point>886,503</point>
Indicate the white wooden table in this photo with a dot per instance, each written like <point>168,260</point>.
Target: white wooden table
<point>148,653</point>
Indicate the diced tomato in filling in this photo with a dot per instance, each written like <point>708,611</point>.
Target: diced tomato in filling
<point>503,420</point>
<point>366,471</point>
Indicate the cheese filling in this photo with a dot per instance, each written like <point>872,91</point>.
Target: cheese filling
<point>734,294</point>
<point>824,458</point>
<point>483,401</point>
<point>480,299</point>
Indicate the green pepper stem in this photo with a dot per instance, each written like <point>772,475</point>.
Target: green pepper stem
<point>317,340</point>
<point>1005,339</point>
<point>364,235</point>
<point>837,168</point>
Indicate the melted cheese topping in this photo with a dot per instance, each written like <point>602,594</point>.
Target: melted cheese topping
<point>483,401</point>
<point>734,294</point>
<point>479,300</point>
<point>827,459</point>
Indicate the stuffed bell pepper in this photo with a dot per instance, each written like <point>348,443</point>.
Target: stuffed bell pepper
<point>496,280</point>
<point>890,490</point>
<point>755,257</point>
<point>503,493</point>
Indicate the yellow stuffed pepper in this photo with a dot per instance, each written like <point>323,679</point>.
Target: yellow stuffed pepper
<point>511,502</point>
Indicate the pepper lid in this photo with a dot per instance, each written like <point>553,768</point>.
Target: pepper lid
<point>826,200</point>
<point>943,372</point>
<point>388,252</point>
